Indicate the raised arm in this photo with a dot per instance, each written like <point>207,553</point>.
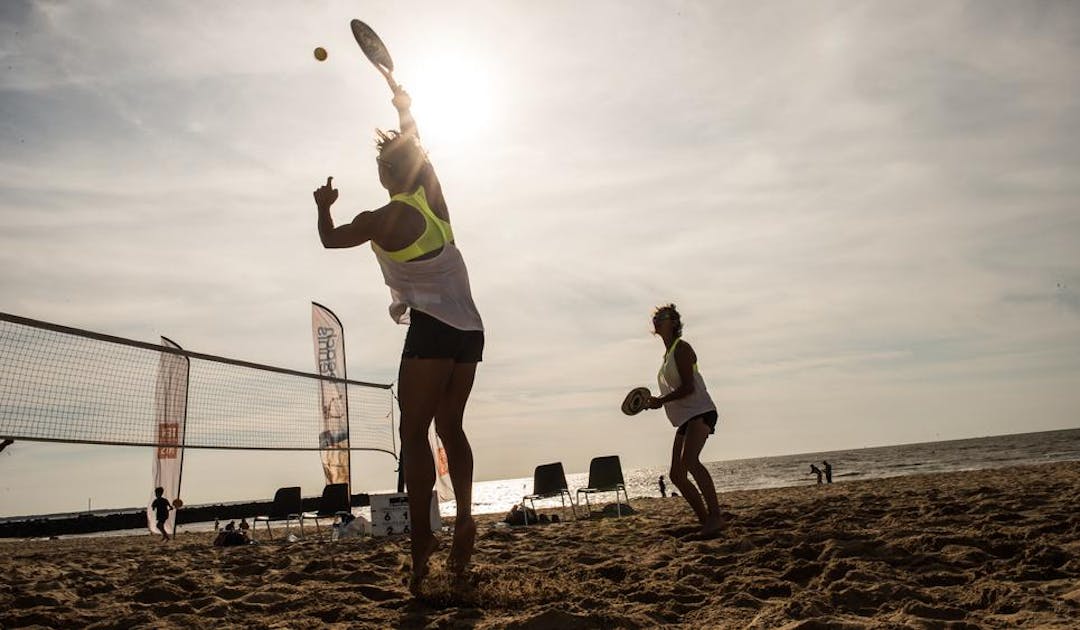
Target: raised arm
<point>427,178</point>
<point>402,103</point>
<point>363,228</point>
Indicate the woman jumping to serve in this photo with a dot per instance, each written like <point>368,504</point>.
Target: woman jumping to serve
<point>429,289</point>
<point>692,411</point>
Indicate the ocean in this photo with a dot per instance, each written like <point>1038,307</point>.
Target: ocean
<point>498,496</point>
<point>794,470</point>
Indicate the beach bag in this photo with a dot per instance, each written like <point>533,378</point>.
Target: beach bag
<point>358,526</point>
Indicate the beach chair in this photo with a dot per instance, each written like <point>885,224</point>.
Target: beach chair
<point>287,507</point>
<point>549,480</point>
<point>333,503</point>
<point>605,475</point>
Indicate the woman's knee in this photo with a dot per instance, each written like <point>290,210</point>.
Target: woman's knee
<point>696,468</point>
<point>677,475</point>
<point>449,427</point>
<point>413,433</point>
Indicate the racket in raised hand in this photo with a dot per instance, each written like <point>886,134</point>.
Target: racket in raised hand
<point>376,52</point>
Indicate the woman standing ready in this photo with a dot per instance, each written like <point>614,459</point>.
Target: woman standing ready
<point>429,289</point>
<point>691,410</point>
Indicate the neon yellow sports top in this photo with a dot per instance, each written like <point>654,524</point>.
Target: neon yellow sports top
<point>437,232</point>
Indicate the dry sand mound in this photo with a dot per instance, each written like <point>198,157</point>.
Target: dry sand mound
<point>961,550</point>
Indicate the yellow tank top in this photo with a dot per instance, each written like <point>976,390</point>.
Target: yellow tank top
<point>437,232</point>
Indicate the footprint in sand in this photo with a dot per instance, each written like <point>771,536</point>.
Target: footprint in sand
<point>264,597</point>
<point>158,594</point>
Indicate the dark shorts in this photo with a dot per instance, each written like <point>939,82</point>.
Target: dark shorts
<point>430,338</point>
<point>710,419</point>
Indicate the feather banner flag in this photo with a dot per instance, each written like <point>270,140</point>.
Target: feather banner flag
<point>170,413</point>
<point>329,337</point>
<point>443,486</point>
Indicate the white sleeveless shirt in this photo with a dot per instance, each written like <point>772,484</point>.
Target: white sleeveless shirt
<point>438,286</point>
<point>684,409</point>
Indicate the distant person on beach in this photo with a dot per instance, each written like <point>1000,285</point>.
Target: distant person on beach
<point>663,487</point>
<point>244,527</point>
<point>521,515</point>
<point>691,410</point>
<point>161,507</point>
<point>814,470</point>
<point>828,472</point>
<point>230,526</point>
<point>231,537</point>
<point>429,289</point>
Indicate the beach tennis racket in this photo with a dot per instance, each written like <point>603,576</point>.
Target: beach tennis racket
<point>635,401</point>
<point>376,52</point>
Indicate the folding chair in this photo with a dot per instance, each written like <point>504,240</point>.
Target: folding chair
<point>549,480</point>
<point>605,475</point>
<point>334,503</point>
<point>287,506</point>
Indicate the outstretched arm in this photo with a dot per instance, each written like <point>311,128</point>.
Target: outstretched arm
<point>362,229</point>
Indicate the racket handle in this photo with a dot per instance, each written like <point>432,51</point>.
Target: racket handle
<point>394,87</point>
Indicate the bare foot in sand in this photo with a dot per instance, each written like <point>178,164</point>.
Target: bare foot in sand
<point>421,553</point>
<point>712,526</point>
<point>462,549</point>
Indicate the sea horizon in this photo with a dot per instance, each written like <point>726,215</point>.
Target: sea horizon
<point>774,471</point>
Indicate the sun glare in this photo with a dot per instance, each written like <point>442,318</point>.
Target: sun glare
<point>452,101</point>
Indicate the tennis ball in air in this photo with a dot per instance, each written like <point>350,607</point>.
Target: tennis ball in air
<point>320,53</point>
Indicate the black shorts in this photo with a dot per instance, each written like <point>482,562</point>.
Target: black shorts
<point>430,338</point>
<point>710,419</point>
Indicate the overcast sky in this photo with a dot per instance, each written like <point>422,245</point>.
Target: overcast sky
<point>867,213</point>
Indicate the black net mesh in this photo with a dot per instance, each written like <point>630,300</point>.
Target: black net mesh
<point>61,384</point>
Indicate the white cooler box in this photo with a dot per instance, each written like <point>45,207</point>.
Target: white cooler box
<point>390,514</point>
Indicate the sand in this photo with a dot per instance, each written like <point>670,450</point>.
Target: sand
<point>959,550</point>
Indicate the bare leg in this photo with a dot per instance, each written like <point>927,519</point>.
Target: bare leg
<point>678,477</point>
<point>449,420</point>
<point>421,383</point>
<point>696,434</point>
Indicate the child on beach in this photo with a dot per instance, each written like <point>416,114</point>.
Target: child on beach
<point>814,470</point>
<point>161,507</point>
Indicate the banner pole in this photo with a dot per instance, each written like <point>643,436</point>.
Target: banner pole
<point>348,432</point>
<point>183,429</point>
<point>401,452</point>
